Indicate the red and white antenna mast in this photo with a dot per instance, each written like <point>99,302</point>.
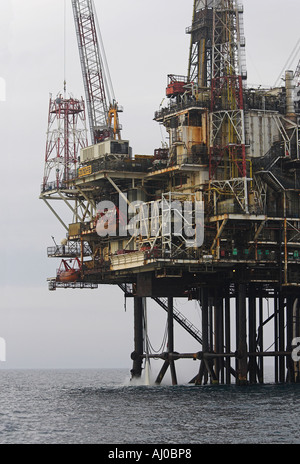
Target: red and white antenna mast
<point>66,135</point>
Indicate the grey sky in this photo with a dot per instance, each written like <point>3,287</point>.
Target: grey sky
<point>144,41</point>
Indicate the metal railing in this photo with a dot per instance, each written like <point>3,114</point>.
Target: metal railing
<point>181,106</point>
<point>68,251</point>
<point>53,285</point>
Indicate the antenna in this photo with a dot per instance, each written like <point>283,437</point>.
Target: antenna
<point>65,48</point>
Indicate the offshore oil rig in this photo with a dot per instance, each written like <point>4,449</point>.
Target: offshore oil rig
<point>212,217</point>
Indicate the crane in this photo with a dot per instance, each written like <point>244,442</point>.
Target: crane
<point>102,107</point>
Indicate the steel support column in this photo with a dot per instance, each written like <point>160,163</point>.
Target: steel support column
<point>171,339</point>
<point>203,373</point>
<point>227,334</point>
<point>276,367</point>
<point>136,371</point>
<point>281,336</point>
<point>252,332</point>
<point>290,378</point>
<point>296,335</point>
<point>242,335</point>
<point>218,337</point>
<point>205,335</point>
<point>260,341</point>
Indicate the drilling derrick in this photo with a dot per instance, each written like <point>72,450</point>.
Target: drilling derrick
<point>227,158</point>
<point>216,65</point>
<point>213,217</point>
<point>200,58</point>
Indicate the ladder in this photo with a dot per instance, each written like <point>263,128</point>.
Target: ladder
<point>178,316</point>
<point>181,319</point>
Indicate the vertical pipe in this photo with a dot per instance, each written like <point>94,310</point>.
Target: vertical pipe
<point>242,335</point>
<point>236,324</point>
<point>261,339</point>
<point>81,253</point>
<point>227,334</point>
<point>289,338</point>
<point>209,362</point>
<point>281,338</point>
<point>289,85</point>
<point>136,371</point>
<point>171,339</point>
<point>222,337</point>
<point>252,333</point>
<point>285,252</point>
<point>219,334</point>
<point>205,334</point>
<point>276,377</point>
<point>170,325</point>
<point>210,327</point>
<point>296,334</point>
<point>204,306</point>
<point>173,372</point>
<point>216,335</point>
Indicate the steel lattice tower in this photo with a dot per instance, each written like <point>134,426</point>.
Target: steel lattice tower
<point>227,108</point>
<point>216,63</point>
<point>66,135</point>
<point>200,59</point>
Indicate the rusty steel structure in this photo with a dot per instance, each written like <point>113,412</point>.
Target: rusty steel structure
<point>66,135</point>
<point>213,217</point>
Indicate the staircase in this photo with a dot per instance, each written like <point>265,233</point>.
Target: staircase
<point>181,319</point>
<point>178,316</point>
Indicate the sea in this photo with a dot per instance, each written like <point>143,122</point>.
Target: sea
<point>103,406</point>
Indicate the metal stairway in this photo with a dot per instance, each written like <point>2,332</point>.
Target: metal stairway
<point>178,316</point>
<point>181,319</point>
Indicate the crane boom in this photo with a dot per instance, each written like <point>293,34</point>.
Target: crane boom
<point>102,110</point>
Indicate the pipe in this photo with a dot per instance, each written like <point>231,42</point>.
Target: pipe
<point>296,318</point>
<point>201,355</point>
<point>137,355</point>
<point>171,339</point>
<point>289,84</point>
<point>242,335</point>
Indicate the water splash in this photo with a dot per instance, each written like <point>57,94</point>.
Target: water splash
<point>147,372</point>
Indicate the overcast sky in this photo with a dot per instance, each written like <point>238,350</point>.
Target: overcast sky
<point>144,41</point>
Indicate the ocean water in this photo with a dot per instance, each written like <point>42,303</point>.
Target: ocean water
<point>104,407</point>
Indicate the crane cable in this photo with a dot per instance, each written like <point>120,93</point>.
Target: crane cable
<point>150,347</point>
<point>103,59</point>
<point>291,58</point>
